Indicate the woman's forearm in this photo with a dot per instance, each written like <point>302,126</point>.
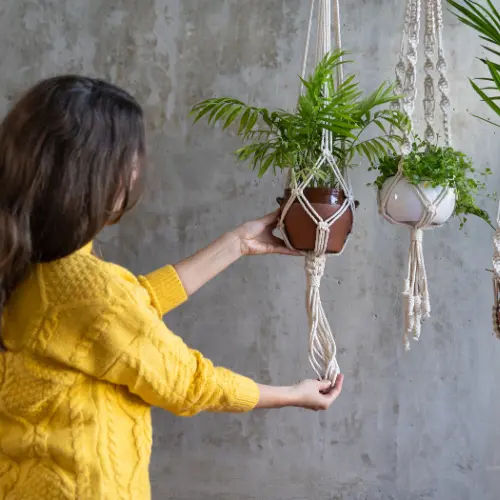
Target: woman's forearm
<point>275,396</point>
<point>252,238</point>
<point>205,264</point>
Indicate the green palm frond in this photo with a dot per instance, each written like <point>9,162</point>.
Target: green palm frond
<point>282,139</point>
<point>486,21</point>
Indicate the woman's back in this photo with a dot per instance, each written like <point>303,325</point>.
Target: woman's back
<point>65,431</point>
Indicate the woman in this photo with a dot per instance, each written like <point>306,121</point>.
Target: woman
<point>85,351</point>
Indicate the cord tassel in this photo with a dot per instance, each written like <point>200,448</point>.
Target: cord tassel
<point>322,348</point>
<point>416,294</point>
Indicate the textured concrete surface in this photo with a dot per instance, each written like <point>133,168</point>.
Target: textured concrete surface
<point>423,425</point>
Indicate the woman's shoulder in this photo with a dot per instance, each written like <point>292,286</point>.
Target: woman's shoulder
<point>81,279</point>
<point>78,288</point>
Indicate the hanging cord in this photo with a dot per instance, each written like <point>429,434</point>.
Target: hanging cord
<point>322,348</point>
<point>429,49</point>
<point>410,75</point>
<point>306,49</point>
<point>287,177</point>
<point>338,43</point>
<point>441,66</point>
<point>400,74</point>
<point>416,293</point>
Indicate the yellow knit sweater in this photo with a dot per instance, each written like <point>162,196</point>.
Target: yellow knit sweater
<point>87,356</point>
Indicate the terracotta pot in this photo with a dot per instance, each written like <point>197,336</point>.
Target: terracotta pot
<point>301,229</point>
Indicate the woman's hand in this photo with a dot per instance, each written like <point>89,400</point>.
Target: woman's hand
<point>309,394</point>
<point>317,395</point>
<point>256,237</point>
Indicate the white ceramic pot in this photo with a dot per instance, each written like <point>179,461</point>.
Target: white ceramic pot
<point>404,205</point>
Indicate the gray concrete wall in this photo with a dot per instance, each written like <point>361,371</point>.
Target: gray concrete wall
<point>423,425</point>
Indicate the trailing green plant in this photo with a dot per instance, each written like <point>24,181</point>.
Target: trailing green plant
<point>438,166</point>
<point>486,21</point>
<point>279,139</point>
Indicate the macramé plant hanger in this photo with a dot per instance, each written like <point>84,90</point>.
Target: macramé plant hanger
<point>315,144</point>
<point>437,204</point>
<point>322,348</point>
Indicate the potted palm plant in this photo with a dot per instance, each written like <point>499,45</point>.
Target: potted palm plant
<point>431,168</point>
<point>292,141</point>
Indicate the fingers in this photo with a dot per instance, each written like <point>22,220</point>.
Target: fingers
<point>335,391</point>
<point>324,386</point>
<point>330,393</point>
<point>271,218</point>
<point>337,388</point>
<point>280,247</point>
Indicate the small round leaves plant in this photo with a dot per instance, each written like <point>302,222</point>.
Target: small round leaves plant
<point>432,165</point>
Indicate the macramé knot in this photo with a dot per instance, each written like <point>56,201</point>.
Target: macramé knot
<point>315,267</point>
<point>323,226</point>
<point>416,235</point>
<point>441,64</point>
<point>431,210</point>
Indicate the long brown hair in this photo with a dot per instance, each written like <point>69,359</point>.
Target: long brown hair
<point>69,152</point>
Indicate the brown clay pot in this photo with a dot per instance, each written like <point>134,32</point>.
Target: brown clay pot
<point>301,229</point>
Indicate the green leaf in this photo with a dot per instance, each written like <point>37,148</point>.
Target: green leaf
<point>199,112</point>
<point>243,121</point>
<point>265,165</point>
<point>485,98</point>
<point>251,121</point>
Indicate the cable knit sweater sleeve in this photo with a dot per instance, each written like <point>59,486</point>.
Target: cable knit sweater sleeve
<point>123,340</point>
<point>165,288</point>
<point>159,367</point>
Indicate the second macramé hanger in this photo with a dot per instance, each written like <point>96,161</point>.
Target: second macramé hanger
<point>435,205</point>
